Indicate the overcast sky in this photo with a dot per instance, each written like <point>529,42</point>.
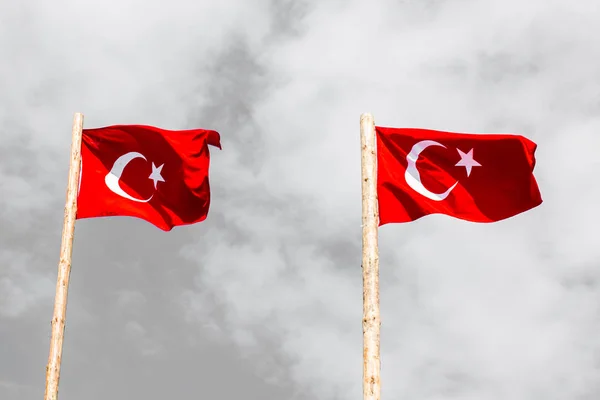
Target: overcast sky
<point>263,300</point>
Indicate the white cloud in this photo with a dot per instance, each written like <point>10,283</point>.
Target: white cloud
<point>469,311</point>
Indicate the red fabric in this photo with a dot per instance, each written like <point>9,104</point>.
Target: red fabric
<point>501,187</point>
<point>182,198</point>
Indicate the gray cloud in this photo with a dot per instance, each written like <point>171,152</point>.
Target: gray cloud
<point>263,299</point>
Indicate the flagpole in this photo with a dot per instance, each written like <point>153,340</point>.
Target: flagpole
<point>64,265</point>
<point>370,261</point>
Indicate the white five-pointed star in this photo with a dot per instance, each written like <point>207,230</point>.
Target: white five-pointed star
<point>466,160</point>
<point>155,175</point>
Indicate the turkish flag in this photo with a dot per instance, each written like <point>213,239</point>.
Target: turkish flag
<point>474,177</point>
<point>157,175</point>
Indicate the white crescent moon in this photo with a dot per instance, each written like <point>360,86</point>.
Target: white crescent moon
<point>112,178</point>
<point>412,176</point>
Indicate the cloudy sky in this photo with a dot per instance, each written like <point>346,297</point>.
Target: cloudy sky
<point>263,300</point>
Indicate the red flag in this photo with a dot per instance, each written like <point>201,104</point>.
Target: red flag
<point>478,178</point>
<point>150,173</point>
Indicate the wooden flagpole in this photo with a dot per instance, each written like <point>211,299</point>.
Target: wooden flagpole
<point>64,265</point>
<point>370,261</point>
